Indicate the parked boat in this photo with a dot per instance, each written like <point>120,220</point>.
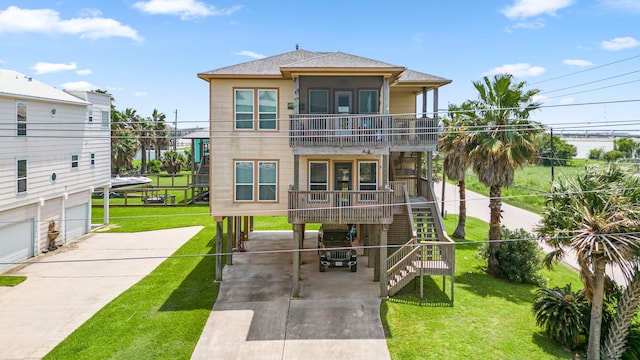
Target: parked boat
<point>122,181</point>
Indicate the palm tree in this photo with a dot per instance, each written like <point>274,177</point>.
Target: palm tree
<point>123,146</point>
<point>160,134</point>
<point>596,216</point>
<point>503,141</point>
<point>144,134</point>
<point>454,146</point>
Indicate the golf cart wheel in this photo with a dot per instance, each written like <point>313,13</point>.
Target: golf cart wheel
<point>354,268</point>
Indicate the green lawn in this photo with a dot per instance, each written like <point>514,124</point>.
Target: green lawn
<point>8,280</point>
<point>163,315</point>
<point>530,183</point>
<point>491,318</point>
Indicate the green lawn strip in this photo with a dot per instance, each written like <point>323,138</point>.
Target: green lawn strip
<point>134,219</point>
<point>491,318</point>
<point>160,317</point>
<point>9,280</point>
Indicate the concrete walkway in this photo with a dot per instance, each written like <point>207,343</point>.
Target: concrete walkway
<point>61,293</point>
<point>512,217</point>
<point>336,317</point>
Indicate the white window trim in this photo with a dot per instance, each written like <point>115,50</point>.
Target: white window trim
<point>92,159</point>
<point>364,196</point>
<point>90,114</point>
<point>77,162</point>
<point>25,178</point>
<point>235,181</point>
<point>26,118</point>
<point>235,113</point>
<point>322,194</point>
<point>309,100</point>
<point>258,183</point>
<point>257,109</point>
<point>105,121</point>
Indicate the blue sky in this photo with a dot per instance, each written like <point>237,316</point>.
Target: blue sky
<point>147,53</point>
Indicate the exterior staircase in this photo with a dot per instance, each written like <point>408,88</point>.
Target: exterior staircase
<point>428,251</point>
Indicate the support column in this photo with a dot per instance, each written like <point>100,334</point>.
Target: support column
<point>385,96</point>
<point>296,172</point>
<point>297,233</point>
<point>385,171</point>
<point>105,204</point>
<point>424,102</point>
<point>246,228</point>
<point>238,229</point>
<point>375,254</point>
<point>229,240</point>
<point>429,169</point>
<point>383,261</point>
<point>219,250</point>
<point>250,223</point>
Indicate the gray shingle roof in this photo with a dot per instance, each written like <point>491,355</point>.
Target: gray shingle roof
<point>302,59</point>
<point>15,84</point>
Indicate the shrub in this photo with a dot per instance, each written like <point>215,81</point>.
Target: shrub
<point>173,162</point>
<point>520,260</point>
<point>154,166</point>
<point>563,314</point>
<point>596,154</point>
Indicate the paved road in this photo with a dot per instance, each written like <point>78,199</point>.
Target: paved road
<point>512,217</point>
<point>60,294</point>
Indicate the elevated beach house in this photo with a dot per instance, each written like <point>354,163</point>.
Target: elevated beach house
<point>332,138</point>
<point>55,150</point>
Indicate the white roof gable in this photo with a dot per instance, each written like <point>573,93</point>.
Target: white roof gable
<point>13,83</point>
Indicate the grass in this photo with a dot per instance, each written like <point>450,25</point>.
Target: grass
<point>7,280</point>
<point>531,183</point>
<point>491,318</point>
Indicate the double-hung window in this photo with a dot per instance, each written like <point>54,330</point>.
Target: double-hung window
<point>105,118</point>
<point>21,176</point>
<point>249,187</point>
<point>75,161</point>
<point>92,159</point>
<point>318,180</point>
<point>248,108</point>
<point>368,180</point>
<point>21,118</point>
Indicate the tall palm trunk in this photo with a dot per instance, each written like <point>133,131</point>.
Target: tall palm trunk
<point>614,344</point>
<point>495,204</point>
<point>462,211</point>
<point>593,350</point>
<point>143,159</point>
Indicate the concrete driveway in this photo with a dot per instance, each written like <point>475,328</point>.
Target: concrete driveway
<point>336,317</point>
<point>66,287</point>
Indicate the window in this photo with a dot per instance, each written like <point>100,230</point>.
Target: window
<point>90,114</point>
<point>368,179</point>
<point>245,182</point>
<point>74,161</point>
<point>92,159</point>
<point>368,102</point>
<point>244,110</point>
<point>21,118</point>
<point>318,180</point>
<point>318,101</point>
<point>267,181</point>
<point>267,109</point>
<point>105,119</point>
<point>21,176</point>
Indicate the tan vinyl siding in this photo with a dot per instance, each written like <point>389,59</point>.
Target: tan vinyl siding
<point>402,102</point>
<point>228,145</point>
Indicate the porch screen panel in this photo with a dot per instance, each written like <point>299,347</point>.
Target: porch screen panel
<point>267,180</point>
<point>318,180</point>
<point>244,181</point>
<point>267,109</point>
<point>244,109</point>
<point>318,104</point>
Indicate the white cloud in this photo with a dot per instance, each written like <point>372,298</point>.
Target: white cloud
<point>140,93</point>
<point>78,85</point>
<point>186,9</point>
<point>531,25</point>
<point>84,72</point>
<point>577,62</point>
<point>522,9</point>
<point>250,54</point>
<point>47,21</point>
<point>619,43</point>
<point>518,70</point>
<point>46,68</point>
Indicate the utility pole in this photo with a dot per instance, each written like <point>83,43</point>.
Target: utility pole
<point>553,155</point>
<point>175,132</point>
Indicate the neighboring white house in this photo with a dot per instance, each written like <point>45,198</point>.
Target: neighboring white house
<point>54,150</point>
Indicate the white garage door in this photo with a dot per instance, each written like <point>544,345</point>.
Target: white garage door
<point>16,242</point>
<point>76,221</point>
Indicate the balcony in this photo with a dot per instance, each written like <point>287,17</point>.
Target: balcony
<point>343,207</point>
<point>394,132</point>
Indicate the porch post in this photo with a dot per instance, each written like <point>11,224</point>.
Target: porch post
<point>383,261</point>
<point>385,96</point>
<point>250,223</point>
<point>105,206</point>
<point>219,251</point>
<point>375,254</point>
<point>296,172</point>
<point>435,104</point>
<point>296,260</point>
<point>385,171</point>
<point>237,224</point>
<point>429,169</point>
<point>229,240</point>
<point>424,102</point>
<point>296,95</point>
